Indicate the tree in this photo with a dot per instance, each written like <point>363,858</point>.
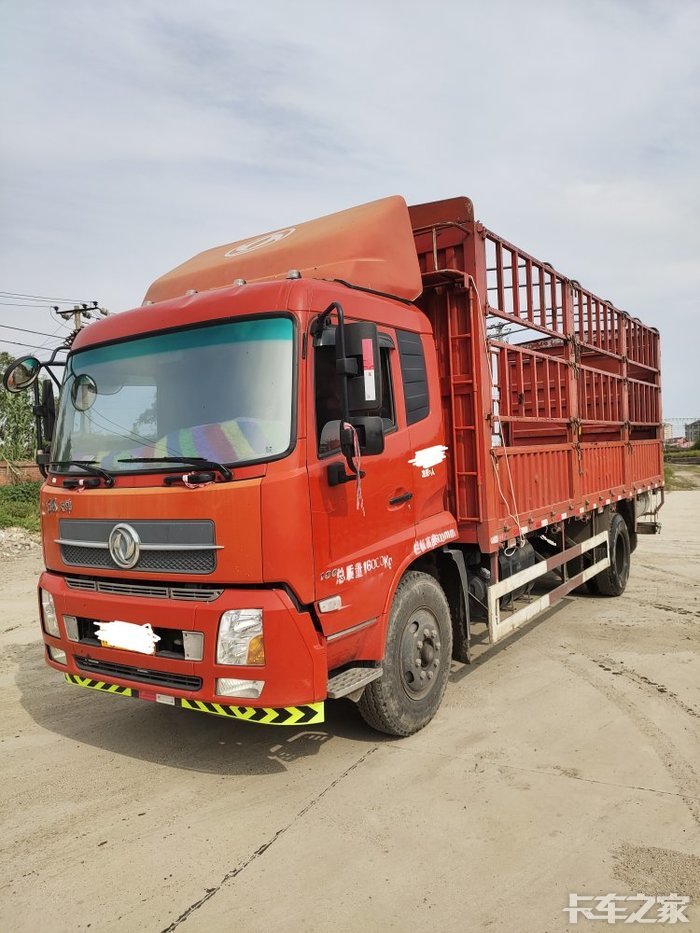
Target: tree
<point>17,432</point>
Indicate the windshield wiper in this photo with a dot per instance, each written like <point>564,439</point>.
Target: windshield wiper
<point>88,466</point>
<point>226,474</point>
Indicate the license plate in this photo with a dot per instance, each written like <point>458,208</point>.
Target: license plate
<point>128,636</point>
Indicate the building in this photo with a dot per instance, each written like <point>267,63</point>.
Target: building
<point>668,431</point>
<point>692,431</point>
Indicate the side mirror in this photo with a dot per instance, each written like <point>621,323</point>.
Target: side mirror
<point>330,438</point>
<point>370,436</point>
<point>361,367</point>
<point>48,411</point>
<point>83,392</point>
<point>21,374</point>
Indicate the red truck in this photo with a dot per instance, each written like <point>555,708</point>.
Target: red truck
<point>329,460</point>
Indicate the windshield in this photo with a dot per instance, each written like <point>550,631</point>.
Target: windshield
<point>222,393</point>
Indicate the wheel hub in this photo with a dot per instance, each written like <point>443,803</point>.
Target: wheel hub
<point>420,654</point>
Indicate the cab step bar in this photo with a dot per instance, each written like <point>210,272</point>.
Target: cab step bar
<point>352,680</point>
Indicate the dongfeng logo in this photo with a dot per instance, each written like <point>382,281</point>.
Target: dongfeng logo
<point>124,546</point>
<point>267,240</point>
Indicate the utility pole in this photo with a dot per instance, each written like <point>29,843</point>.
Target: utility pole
<point>82,313</point>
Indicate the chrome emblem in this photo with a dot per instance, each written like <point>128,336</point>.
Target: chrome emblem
<point>124,546</point>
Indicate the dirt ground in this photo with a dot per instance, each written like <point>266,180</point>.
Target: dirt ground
<point>686,475</point>
<point>566,761</point>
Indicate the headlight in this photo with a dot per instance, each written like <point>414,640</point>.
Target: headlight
<point>57,655</point>
<point>240,638</point>
<point>48,611</point>
<point>230,687</point>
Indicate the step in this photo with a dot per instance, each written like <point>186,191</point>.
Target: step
<point>351,680</point>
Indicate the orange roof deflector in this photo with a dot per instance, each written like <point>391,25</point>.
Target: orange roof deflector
<point>370,246</point>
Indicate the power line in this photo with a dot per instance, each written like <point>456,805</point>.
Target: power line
<point>27,304</point>
<point>61,321</point>
<point>4,294</point>
<point>30,346</point>
<point>37,333</point>
<point>61,324</point>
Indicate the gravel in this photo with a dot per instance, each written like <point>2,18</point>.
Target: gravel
<point>16,542</point>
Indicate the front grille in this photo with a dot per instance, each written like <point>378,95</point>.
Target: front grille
<point>193,593</point>
<point>165,546</point>
<point>149,561</point>
<point>141,675</point>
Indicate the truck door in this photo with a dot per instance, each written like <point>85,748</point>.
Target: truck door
<point>360,534</point>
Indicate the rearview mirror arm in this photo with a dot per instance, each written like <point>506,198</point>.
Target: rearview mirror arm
<point>340,358</point>
<point>42,456</point>
<point>52,362</point>
<point>341,361</point>
<point>344,368</point>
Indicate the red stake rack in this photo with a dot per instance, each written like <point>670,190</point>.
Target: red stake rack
<point>553,394</point>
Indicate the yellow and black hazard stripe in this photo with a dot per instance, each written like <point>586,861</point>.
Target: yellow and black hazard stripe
<point>304,715</point>
<point>266,715</point>
<point>100,685</point>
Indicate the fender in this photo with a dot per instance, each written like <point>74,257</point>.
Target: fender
<point>431,534</point>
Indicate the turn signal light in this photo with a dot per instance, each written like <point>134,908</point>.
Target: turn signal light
<point>256,650</point>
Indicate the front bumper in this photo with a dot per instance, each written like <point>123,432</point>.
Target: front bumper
<point>304,715</point>
<point>295,669</point>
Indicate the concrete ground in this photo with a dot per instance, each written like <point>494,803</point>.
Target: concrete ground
<point>566,761</point>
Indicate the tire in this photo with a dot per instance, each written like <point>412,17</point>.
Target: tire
<point>613,580</point>
<point>418,645</point>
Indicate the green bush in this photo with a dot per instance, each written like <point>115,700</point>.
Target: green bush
<point>20,492</point>
<point>17,440</point>
<point>672,453</point>
<point>19,506</point>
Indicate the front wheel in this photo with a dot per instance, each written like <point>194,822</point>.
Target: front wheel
<point>613,580</point>
<point>417,659</point>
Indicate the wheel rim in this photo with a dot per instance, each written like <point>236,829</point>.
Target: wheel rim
<point>421,654</point>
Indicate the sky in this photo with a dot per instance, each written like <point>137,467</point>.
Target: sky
<point>137,134</point>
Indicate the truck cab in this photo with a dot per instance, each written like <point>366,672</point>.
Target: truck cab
<point>246,384</point>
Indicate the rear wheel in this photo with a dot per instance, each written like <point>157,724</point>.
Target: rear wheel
<point>613,580</point>
<point>417,659</point>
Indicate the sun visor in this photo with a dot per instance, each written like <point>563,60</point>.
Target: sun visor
<point>370,246</point>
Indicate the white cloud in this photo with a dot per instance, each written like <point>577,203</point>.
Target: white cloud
<point>144,132</point>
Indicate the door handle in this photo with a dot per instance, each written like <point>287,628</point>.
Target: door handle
<point>397,500</point>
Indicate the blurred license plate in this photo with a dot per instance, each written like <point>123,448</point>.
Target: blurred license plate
<point>129,636</point>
